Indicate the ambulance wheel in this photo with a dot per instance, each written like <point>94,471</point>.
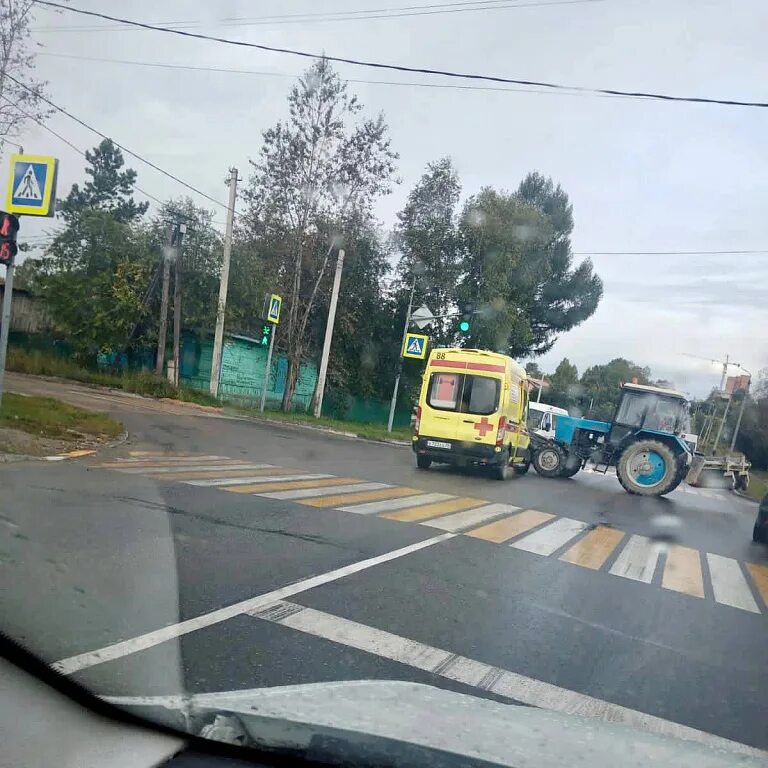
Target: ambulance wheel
<point>501,470</point>
<point>423,462</point>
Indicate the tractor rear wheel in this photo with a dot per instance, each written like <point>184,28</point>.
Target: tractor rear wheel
<point>549,460</point>
<point>648,468</point>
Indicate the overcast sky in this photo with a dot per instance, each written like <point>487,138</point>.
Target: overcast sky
<point>642,176</point>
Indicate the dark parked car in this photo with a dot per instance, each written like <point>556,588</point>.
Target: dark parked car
<point>760,531</point>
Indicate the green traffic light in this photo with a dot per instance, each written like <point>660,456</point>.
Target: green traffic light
<point>464,326</point>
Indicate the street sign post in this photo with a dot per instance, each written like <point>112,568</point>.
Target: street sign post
<point>415,346</point>
<point>273,303</point>
<point>32,185</point>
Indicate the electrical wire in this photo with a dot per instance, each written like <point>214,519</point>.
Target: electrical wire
<point>329,16</point>
<point>120,146</point>
<point>76,148</point>
<point>225,70</point>
<point>403,68</point>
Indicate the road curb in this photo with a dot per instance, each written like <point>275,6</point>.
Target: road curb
<point>744,496</point>
<point>326,430</point>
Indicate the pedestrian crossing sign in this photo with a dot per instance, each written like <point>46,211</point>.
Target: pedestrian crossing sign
<point>32,185</point>
<point>275,304</point>
<point>415,346</point>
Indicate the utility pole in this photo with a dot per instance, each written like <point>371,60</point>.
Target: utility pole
<point>5,321</point>
<point>164,303</point>
<point>218,340</point>
<point>393,404</point>
<point>182,228</point>
<point>320,389</point>
<point>741,412</point>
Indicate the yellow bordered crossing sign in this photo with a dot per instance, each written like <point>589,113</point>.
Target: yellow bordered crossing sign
<point>32,185</point>
<point>275,305</point>
<point>415,345</point>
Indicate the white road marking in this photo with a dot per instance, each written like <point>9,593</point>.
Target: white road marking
<point>637,560</point>
<point>374,507</point>
<point>191,468</point>
<point>460,521</point>
<point>328,490</point>
<point>551,537</point>
<point>477,674</point>
<point>254,479</point>
<point>150,639</point>
<point>728,583</point>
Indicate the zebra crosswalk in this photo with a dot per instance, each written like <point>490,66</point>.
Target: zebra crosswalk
<point>674,568</point>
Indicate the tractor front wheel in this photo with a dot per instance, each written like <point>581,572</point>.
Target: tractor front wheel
<point>549,460</point>
<point>648,468</point>
<point>571,466</point>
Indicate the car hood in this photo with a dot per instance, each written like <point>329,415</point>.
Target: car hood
<point>396,723</point>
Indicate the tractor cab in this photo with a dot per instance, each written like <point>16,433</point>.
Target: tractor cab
<point>650,409</point>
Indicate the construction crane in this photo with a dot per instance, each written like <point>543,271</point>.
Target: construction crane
<point>735,468</point>
<point>725,363</point>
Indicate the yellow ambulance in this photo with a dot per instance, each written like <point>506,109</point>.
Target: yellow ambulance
<point>472,409</point>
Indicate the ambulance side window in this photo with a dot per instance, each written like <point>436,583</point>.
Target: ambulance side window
<point>444,391</point>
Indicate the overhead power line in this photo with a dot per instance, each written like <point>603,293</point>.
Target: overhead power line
<point>264,73</point>
<point>117,144</point>
<point>403,68</point>
<point>330,16</point>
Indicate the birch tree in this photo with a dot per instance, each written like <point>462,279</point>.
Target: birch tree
<point>325,164</point>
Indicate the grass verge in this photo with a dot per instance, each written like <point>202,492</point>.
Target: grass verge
<point>140,383</point>
<point>46,417</point>
<point>361,429</point>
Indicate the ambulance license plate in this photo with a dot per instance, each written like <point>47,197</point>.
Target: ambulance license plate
<point>438,444</point>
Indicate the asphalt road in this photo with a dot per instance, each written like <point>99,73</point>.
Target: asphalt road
<point>216,554</point>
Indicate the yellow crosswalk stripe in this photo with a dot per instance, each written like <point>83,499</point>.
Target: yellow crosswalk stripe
<point>433,510</point>
<point>503,530</point>
<point>290,486</point>
<point>759,574</point>
<point>594,549</point>
<point>351,498</point>
<point>682,571</point>
<point>224,472</point>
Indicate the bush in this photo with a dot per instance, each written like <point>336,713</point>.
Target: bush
<point>336,403</point>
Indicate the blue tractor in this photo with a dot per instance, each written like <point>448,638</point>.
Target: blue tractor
<point>644,442</point>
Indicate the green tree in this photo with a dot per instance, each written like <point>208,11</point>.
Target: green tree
<point>518,271</point>
<point>109,188</point>
<point>601,385</point>
<point>317,170</point>
<point>564,389</point>
<point>95,273</point>
<point>427,238</point>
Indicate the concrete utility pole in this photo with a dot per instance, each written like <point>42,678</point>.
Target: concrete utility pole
<point>393,403</point>
<point>5,321</point>
<point>182,228</point>
<point>167,252</point>
<point>741,411</point>
<point>317,406</point>
<point>218,340</point>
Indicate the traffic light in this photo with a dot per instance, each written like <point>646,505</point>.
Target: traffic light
<point>465,323</point>
<point>266,334</point>
<point>9,227</point>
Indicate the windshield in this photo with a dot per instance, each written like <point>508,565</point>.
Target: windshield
<point>278,282</point>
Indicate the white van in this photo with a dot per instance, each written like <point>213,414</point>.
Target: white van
<point>542,419</point>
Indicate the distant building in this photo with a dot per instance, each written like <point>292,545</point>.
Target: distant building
<point>737,384</point>
<point>28,312</point>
